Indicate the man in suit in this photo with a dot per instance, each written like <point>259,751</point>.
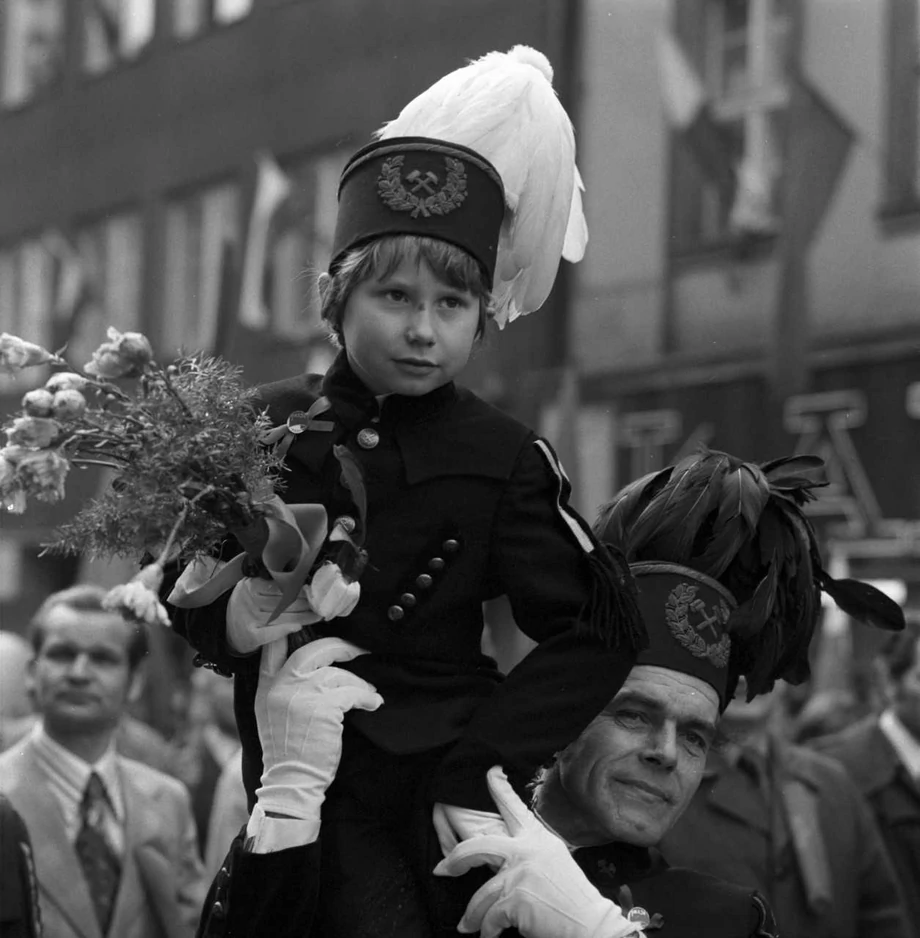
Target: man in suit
<point>114,840</point>
<point>787,821</point>
<point>882,756</point>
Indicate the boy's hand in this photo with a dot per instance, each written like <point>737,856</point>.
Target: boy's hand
<point>252,602</point>
<point>300,707</point>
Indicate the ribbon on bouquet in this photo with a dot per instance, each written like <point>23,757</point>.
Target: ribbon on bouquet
<point>295,535</point>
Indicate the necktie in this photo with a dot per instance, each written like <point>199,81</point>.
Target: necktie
<point>101,865</point>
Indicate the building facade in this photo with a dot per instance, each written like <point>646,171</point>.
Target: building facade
<point>142,141</point>
<point>683,330</point>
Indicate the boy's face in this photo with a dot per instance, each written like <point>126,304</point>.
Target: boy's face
<point>410,332</point>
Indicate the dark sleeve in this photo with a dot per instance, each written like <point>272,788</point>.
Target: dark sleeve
<point>564,596</point>
<point>262,894</point>
<point>205,628</point>
<point>882,912</point>
<point>19,910</point>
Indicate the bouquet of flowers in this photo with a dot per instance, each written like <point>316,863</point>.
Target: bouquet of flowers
<point>192,460</point>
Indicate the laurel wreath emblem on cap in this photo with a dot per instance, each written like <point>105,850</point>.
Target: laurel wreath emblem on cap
<point>423,198</point>
<point>681,601</point>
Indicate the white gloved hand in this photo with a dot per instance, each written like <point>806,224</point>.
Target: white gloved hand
<point>300,707</point>
<point>453,824</point>
<point>252,602</point>
<point>539,889</point>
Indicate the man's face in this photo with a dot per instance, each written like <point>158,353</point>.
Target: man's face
<point>634,769</point>
<point>80,678</point>
<point>906,700</point>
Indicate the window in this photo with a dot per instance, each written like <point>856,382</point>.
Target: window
<point>902,157</point>
<point>33,51</point>
<point>110,254</point>
<point>301,247</point>
<point>191,17</point>
<point>740,49</point>
<point>25,300</point>
<point>115,31</point>
<point>202,238</point>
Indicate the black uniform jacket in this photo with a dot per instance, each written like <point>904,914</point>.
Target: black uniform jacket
<point>464,504</point>
<point>19,908</point>
<point>274,894</point>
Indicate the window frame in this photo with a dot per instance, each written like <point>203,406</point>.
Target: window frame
<point>698,221</point>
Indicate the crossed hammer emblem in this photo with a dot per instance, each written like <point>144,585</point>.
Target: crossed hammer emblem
<point>707,621</point>
<point>420,182</point>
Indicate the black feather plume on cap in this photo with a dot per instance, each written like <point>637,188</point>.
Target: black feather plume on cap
<point>742,524</point>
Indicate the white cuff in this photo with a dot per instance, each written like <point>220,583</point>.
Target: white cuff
<point>266,834</point>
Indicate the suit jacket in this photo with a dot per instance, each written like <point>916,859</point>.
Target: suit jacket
<point>274,894</point>
<point>464,505</point>
<point>161,889</point>
<point>806,839</point>
<point>870,760</point>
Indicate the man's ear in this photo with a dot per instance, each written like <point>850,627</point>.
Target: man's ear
<point>138,683</point>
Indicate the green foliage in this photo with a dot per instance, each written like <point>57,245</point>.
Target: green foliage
<point>185,447</point>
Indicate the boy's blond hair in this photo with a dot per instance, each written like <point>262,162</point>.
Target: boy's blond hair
<point>380,257</point>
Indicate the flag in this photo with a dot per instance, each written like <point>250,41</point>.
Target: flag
<point>816,148</point>
<point>273,187</point>
<point>687,108</point>
<point>818,141</point>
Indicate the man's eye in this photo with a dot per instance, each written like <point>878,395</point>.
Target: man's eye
<point>697,741</point>
<point>395,296</point>
<point>630,716</point>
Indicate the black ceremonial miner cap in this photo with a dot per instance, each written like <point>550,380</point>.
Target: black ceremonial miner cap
<point>421,186</point>
<point>685,614</point>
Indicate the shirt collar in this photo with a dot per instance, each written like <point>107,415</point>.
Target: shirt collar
<point>902,741</point>
<point>72,773</point>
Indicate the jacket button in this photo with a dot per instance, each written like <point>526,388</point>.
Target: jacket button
<point>395,613</point>
<point>451,546</point>
<point>217,910</point>
<point>436,563</point>
<point>346,523</point>
<point>408,599</point>
<point>368,438</point>
<point>424,581</point>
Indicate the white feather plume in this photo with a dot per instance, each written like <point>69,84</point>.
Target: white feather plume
<point>504,107</point>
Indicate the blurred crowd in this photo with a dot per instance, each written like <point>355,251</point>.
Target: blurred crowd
<point>811,796</point>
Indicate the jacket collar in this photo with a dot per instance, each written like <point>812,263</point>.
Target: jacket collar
<point>617,862</point>
<point>355,404</point>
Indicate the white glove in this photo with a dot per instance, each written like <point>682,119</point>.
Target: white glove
<point>539,889</point>
<point>252,602</point>
<point>453,824</point>
<point>300,708</point>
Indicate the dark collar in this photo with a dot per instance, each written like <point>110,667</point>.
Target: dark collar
<point>618,862</point>
<point>355,404</point>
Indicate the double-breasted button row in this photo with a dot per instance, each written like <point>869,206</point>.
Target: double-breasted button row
<point>423,582</point>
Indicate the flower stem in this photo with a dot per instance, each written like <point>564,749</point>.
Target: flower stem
<point>168,546</point>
